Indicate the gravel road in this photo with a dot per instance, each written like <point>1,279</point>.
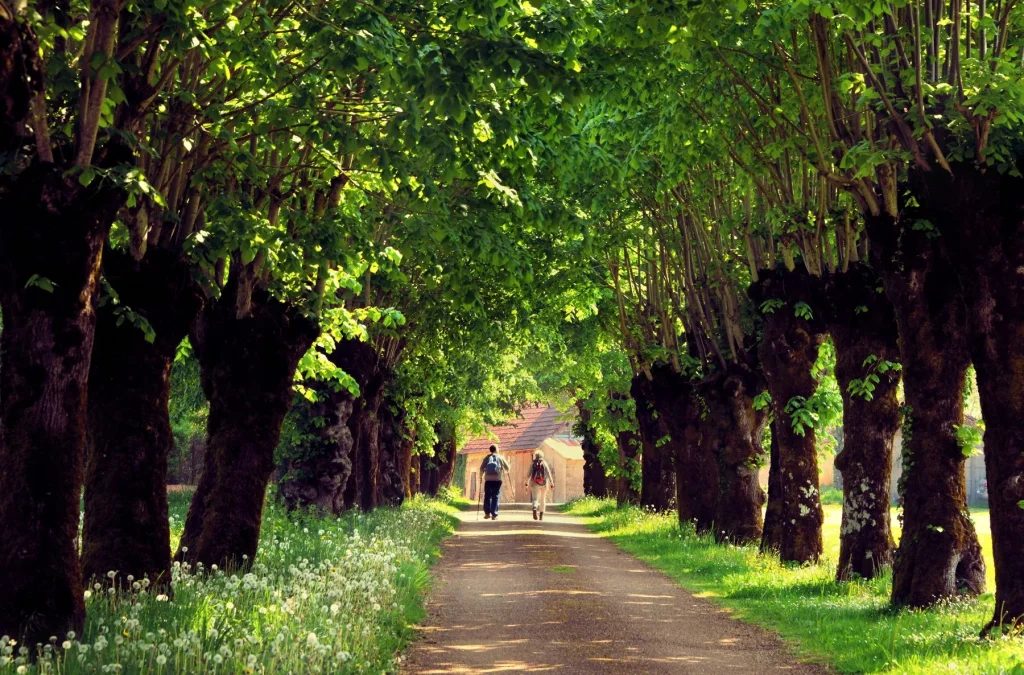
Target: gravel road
<point>521,596</point>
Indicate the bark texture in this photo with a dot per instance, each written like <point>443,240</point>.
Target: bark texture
<point>331,470</point>
<point>629,444</point>
<point>787,353</point>
<point>437,471</point>
<point>938,555</point>
<point>731,434</point>
<point>317,476</point>
<point>696,469</point>
<point>248,364</point>
<point>657,464</point>
<point>862,324</point>
<point>126,527</point>
<point>51,242</point>
<point>391,475</point>
<point>595,482</point>
<point>771,536</point>
<point>981,215</point>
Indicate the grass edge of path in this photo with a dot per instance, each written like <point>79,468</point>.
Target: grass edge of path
<point>847,627</point>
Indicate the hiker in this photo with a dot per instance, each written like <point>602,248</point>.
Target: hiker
<point>491,469</point>
<point>541,480</point>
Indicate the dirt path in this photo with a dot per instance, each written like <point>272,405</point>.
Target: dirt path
<point>520,596</point>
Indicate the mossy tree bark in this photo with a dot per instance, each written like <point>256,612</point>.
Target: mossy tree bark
<point>248,364</point>
<point>126,527</point>
<point>657,464</point>
<point>787,353</point>
<point>981,218</point>
<point>731,435</point>
<point>938,555</point>
<point>51,242</point>
<point>862,324</point>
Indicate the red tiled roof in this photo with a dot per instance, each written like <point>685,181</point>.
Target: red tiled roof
<point>534,425</point>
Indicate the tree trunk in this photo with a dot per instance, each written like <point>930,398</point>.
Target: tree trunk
<point>629,444</point>
<point>788,352</point>
<point>980,216</point>
<point>771,537</point>
<point>360,360</point>
<point>938,555</point>
<point>51,241</point>
<point>126,527</point>
<point>731,434</point>
<point>863,327</point>
<point>406,463</point>
<point>594,478</point>
<point>248,365</point>
<point>696,471</point>
<point>318,476</point>
<point>415,475</point>
<point>657,464</point>
<point>445,455</point>
<point>392,475</point>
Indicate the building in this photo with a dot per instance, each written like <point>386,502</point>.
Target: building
<point>538,427</point>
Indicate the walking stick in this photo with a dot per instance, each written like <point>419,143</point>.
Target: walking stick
<point>478,495</point>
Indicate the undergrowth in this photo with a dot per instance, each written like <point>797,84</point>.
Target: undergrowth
<point>325,595</point>
<point>849,626</point>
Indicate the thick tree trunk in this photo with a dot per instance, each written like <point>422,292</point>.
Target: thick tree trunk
<point>317,478</point>
<point>407,463</point>
<point>629,444</point>
<point>51,241</point>
<point>437,471</point>
<point>126,527</point>
<point>771,537</point>
<point>392,475</point>
<point>657,464</point>
<point>981,216</point>
<point>731,434</point>
<point>788,352</point>
<point>447,452</point>
<point>594,478</point>
<point>415,475</point>
<point>938,555</point>
<point>696,471</point>
<point>360,360</point>
<point>248,364</point>
<point>863,328</point>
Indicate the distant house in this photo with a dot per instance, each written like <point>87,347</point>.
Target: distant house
<point>538,427</point>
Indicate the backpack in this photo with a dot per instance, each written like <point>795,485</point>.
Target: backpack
<point>492,466</point>
<point>537,472</point>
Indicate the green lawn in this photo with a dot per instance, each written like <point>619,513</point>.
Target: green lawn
<point>325,595</point>
<point>848,626</point>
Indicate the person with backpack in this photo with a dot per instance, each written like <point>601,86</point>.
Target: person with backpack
<point>491,469</point>
<point>541,480</point>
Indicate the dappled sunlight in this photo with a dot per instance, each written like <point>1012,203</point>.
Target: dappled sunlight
<point>518,595</point>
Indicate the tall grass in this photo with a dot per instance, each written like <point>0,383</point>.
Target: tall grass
<point>848,626</point>
<point>324,595</point>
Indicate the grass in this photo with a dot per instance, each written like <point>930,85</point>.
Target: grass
<point>848,626</point>
<point>324,595</point>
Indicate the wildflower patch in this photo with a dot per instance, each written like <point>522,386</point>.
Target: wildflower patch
<point>324,595</point>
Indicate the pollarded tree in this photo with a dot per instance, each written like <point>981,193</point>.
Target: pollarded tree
<point>78,82</point>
